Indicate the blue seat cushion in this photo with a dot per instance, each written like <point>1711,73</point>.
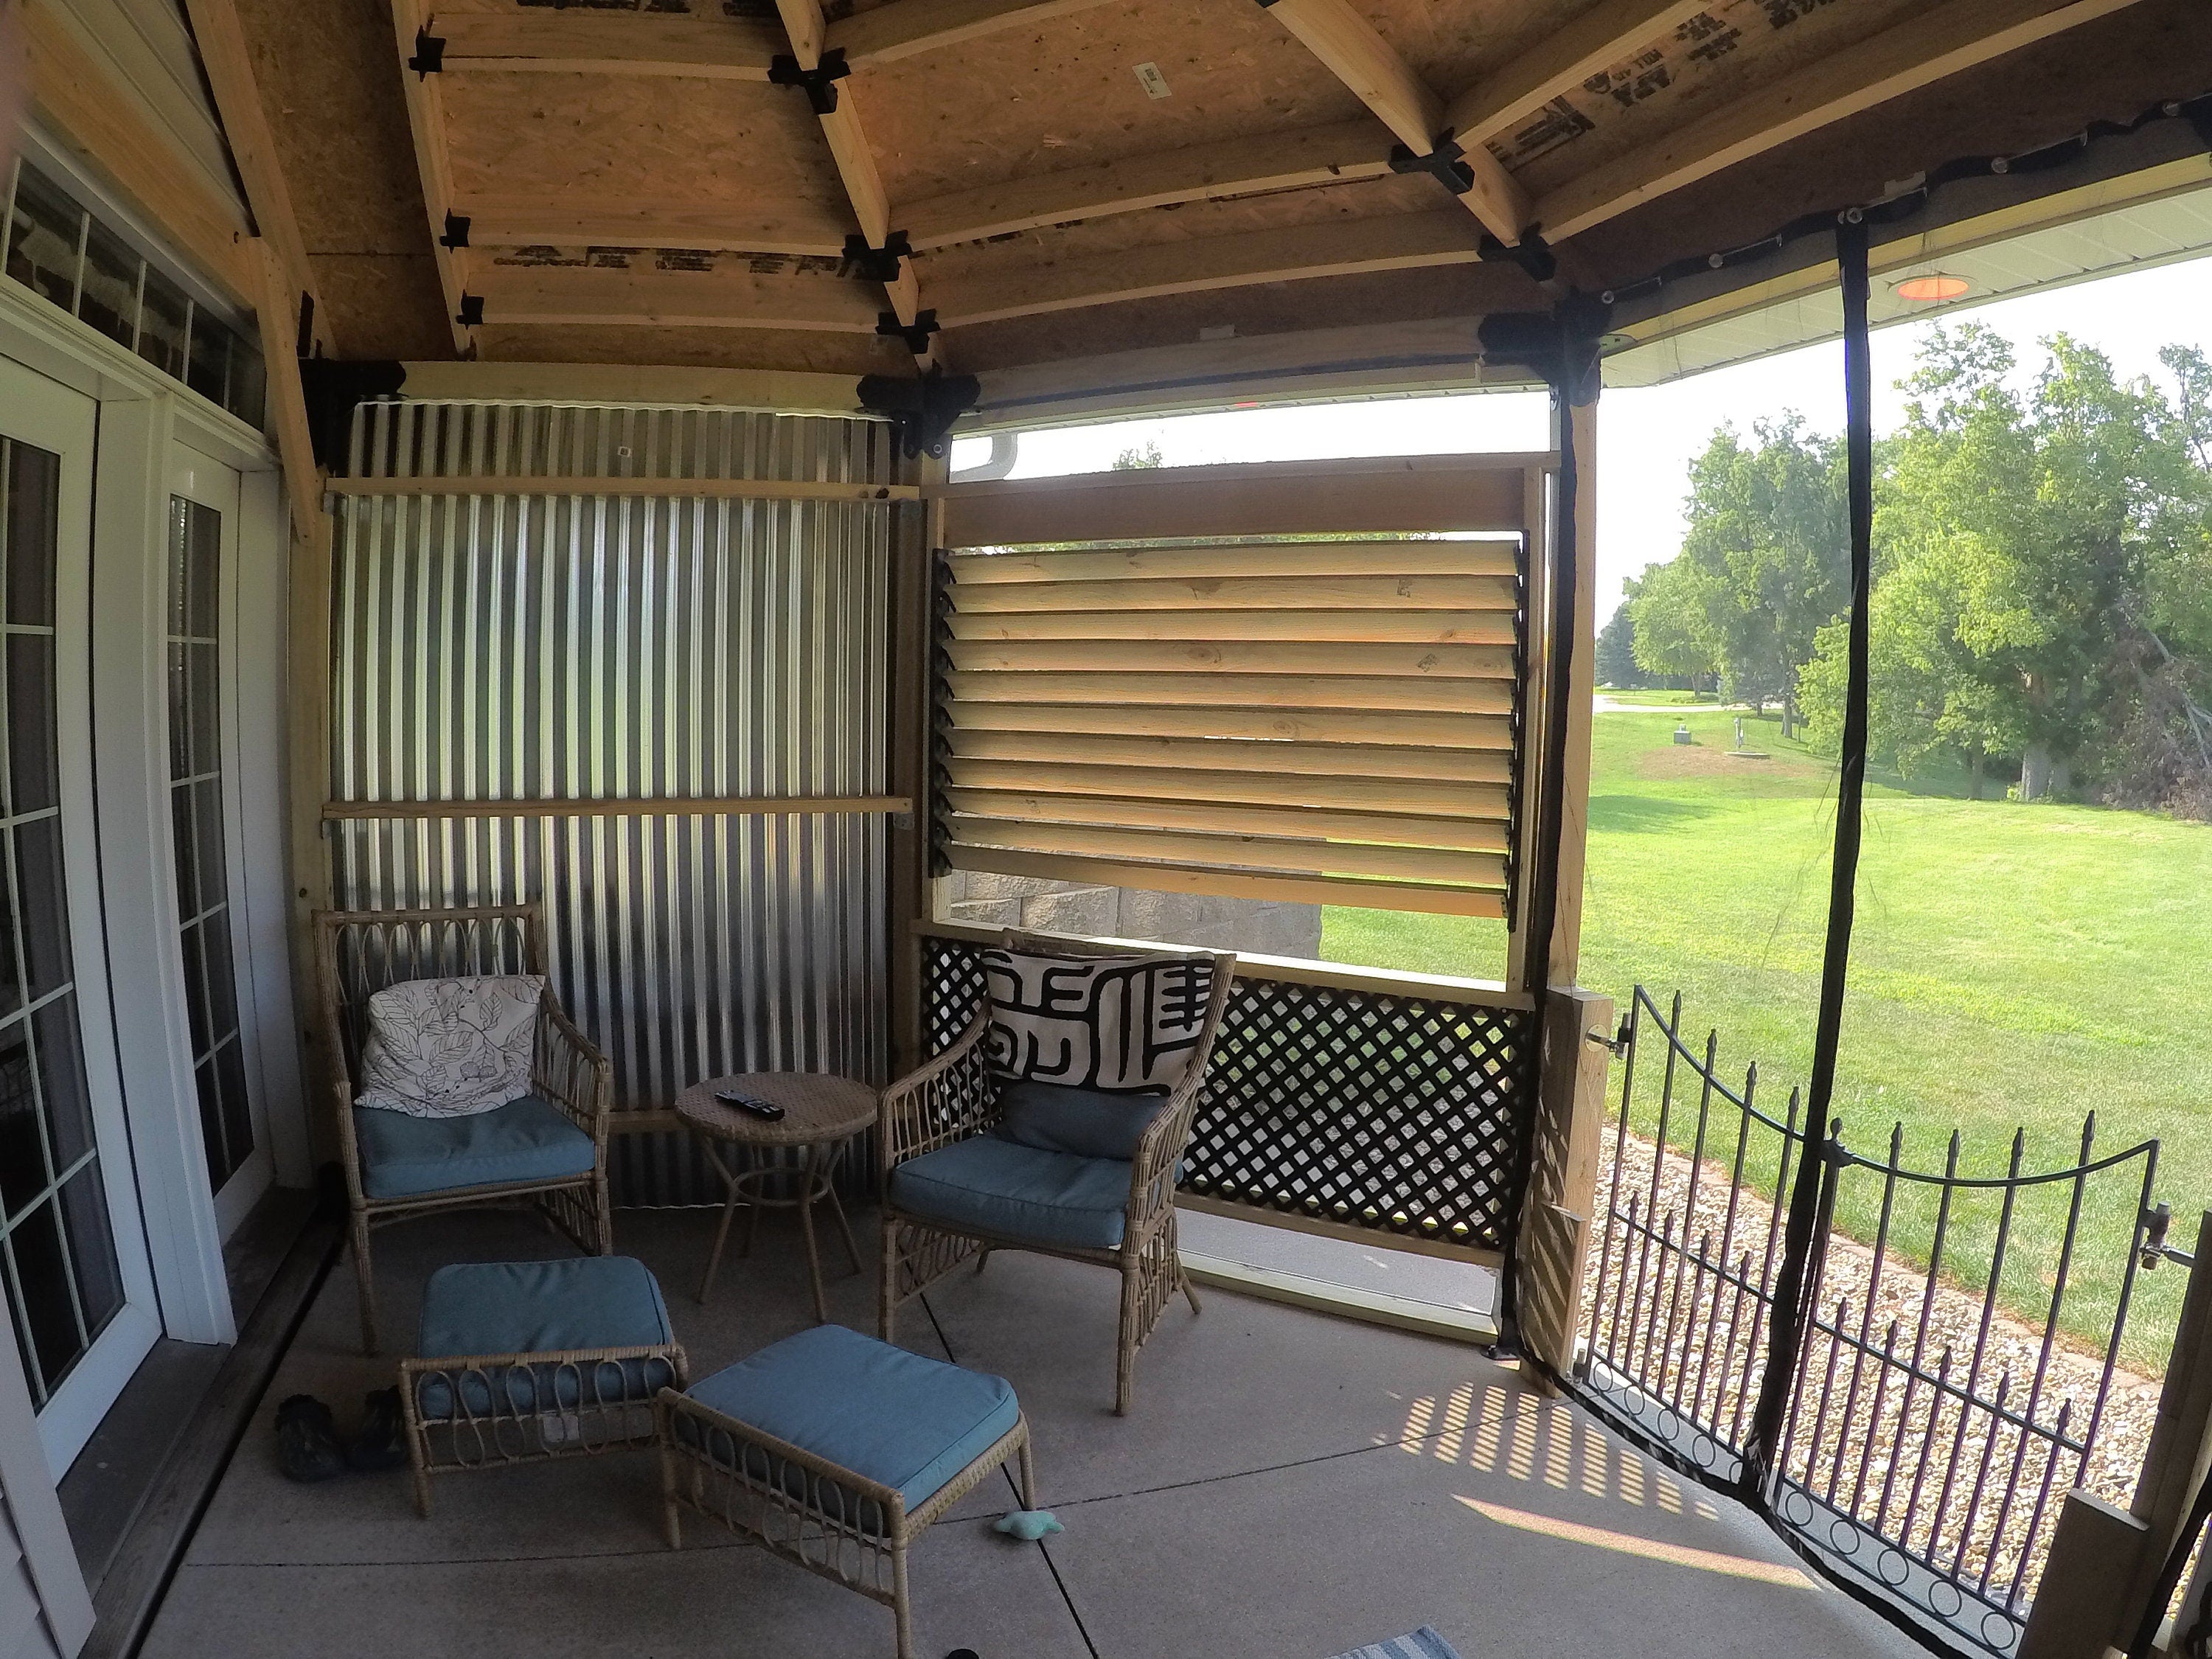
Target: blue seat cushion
<point>486,1308</point>
<point>888,1416</point>
<point>526,1139</point>
<point>1085,1122</point>
<point>1001,1187</point>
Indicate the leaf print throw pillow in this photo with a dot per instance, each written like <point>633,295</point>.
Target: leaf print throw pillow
<point>450,1048</point>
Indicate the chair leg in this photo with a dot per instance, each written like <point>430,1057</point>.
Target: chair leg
<point>1125,1351</point>
<point>1189,1290</point>
<point>887,1287</point>
<point>982,1261</point>
<point>671,1516</point>
<point>1028,1479</point>
<point>364,1275</point>
<point>900,1608</point>
<point>606,1217</point>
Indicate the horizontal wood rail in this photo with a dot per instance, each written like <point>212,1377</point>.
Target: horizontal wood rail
<point>744,489</point>
<point>1438,987</point>
<point>640,807</point>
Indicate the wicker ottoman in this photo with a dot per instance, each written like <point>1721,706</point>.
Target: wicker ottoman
<point>520,1361</point>
<point>836,1451</point>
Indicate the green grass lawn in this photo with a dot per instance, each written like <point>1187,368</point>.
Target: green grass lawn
<point>2013,967</point>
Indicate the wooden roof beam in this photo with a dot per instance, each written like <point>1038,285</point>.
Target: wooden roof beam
<point>799,228</point>
<point>1596,40</point>
<point>1239,167</point>
<point>1937,44</point>
<point>840,116</point>
<point>426,122</point>
<point>1370,66</point>
<point>1343,247</point>
<point>567,295</point>
<point>607,43</point>
<point>905,27</point>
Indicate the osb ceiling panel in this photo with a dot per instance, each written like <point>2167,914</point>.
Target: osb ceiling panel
<point>738,143</point>
<point>1453,46</point>
<point>1066,93</point>
<point>384,305</point>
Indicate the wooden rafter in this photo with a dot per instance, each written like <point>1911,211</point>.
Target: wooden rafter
<point>571,296</point>
<point>1344,248</point>
<point>426,121</point>
<point>1238,166</point>
<point>1930,47</point>
<point>804,22</point>
<point>1380,78</point>
<point>608,43</point>
<point>1594,41</point>
<point>274,311</point>
<point>904,27</point>
<point>803,228</point>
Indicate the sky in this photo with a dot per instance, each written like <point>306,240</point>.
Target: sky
<point>1646,436</point>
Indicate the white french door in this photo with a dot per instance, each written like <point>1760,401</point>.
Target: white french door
<point>204,816</point>
<point>79,1285</point>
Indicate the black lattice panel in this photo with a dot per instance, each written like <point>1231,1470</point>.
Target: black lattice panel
<point>1397,1114</point>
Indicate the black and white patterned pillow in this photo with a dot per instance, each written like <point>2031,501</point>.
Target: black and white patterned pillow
<point>1119,1024</point>
<point>450,1048</point>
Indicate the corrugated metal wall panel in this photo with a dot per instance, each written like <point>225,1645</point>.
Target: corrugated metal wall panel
<point>599,646</point>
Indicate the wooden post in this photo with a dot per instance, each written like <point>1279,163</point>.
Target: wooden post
<point>914,553</point>
<point>1562,1197</point>
<point>1574,798</point>
<point>2103,1563</point>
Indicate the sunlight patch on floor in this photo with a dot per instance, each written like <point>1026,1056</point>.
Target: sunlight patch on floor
<point>1502,1431</point>
<point>1734,1566</point>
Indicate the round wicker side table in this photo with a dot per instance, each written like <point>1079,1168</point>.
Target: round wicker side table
<point>821,1114</point>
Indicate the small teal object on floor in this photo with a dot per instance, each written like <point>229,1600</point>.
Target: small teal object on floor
<point>1423,1644</point>
<point>1028,1525</point>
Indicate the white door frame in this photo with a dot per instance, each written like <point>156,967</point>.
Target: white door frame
<point>38,411</point>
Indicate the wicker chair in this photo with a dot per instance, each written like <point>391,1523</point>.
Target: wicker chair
<point>956,1098</point>
<point>359,953</point>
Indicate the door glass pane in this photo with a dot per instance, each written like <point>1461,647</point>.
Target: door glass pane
<point>57,1244</point>
<point>196,820</point>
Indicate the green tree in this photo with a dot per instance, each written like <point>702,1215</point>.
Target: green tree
<point>1134,459</point>
<point>1670,632</point>
<point>1616,665</point>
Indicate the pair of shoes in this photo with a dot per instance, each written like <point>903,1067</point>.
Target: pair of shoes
<point>307,1445</point>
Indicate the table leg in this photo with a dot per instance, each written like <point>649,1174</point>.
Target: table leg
<point>837,1206</point>
<point>757,1160</point>
<point>722,1231</point>
<point>809,1176</point>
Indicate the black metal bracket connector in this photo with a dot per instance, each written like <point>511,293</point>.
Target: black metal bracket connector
<point>1532,253</point>
<point>1561,345</point>
<point>457,230</point>
<point>915,334</point>
<point>924,407</point>
<point>470,315</point>
<point>429,57</point>
<point>819,83</point>
<point>1447,164</point>
<point>331,390</point>
<point>877,264</point>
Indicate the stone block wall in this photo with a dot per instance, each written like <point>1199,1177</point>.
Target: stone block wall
<point>1256,927</point>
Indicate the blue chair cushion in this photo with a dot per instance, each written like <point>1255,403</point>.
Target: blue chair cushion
<point>1004,1187</point>
<point>489,1308</point>
<point>525,1139</point>
<point>1085,1122</point>
<point>886,1415</point>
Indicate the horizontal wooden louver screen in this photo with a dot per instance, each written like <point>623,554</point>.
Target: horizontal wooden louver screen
<point>1327,722</point>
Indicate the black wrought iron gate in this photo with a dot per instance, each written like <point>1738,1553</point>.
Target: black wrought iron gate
<point>1907,1396</point>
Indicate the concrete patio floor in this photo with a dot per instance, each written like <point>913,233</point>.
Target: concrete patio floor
<point>1287,1485</point>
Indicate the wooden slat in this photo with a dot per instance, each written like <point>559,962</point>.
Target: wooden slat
<point>1934,44</point>
<point>1348,726</point>
<point>1178,878</point>
<point>1396,558</point>
<point>812,229</point>
<point>426,124</point>
<point>903,28</point>
<point>1493,627</point>
<point>1596,40</point>
<point>609,807</point>
<point>708,48</point>
<point>567,296</point>
<point>1297,765</point>
<point>1117,691</point>
<point>1253,853</point>
<point>276,319</point>
<point>1204,264</point>
<point>1254,592</point>
<point>1237,166</point>
<point>794,391</point>
<point>1338,34</point>
<point>1275,657</point>
<point>1236,819</point>
<point>1366,497</point>
<point>1265,786</point>
<point>739,489</point>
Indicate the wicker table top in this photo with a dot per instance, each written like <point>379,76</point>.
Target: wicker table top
<point>818,1107</point>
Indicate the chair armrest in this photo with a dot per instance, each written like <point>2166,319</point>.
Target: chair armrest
<point>953,1097</point>
<point>566,1069</point>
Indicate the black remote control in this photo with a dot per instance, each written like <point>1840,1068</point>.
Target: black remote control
<point>767,1110</point>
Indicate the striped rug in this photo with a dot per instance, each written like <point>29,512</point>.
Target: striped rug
<point>1423,1644</point>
